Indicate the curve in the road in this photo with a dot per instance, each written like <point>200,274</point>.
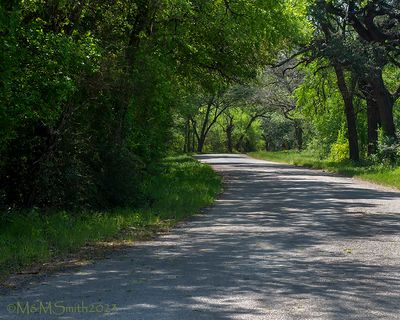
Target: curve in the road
<point>282,242</point>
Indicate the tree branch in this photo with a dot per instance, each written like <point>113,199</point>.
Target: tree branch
<point>280,64</point>
<point>194,123</point>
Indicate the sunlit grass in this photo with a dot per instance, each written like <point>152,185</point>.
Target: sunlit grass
<point>384,175</point>
<point>181,187</point>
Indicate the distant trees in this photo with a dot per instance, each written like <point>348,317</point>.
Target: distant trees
<point>258,106</point>
<point>338,91</point>
<point>92,92</point>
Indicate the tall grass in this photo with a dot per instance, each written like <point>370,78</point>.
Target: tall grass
<point>179,189</point>
<point>381,174</point>
<point>183,188</point>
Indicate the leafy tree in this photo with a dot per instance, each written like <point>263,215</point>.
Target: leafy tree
<point>94,92</point>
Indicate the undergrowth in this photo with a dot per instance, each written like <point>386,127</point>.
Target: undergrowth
<point>178,189</point>
<point>382,174</point>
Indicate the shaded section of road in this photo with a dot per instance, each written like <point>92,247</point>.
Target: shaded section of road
<point>281,243</point>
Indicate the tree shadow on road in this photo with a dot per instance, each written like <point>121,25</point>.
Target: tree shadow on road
<point>279,244</point>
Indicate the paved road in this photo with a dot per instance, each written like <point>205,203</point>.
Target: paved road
<point>280,243</point>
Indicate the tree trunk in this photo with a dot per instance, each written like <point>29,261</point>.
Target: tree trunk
<point>243,135</point>
<point>384,102</point>
<point>229,139</point>
<point>201,138</point>
<point>200,144</point>
<point>350,114</point>
<point>298,131</point>
<point>372,115</point>
<point>185,142</point>
<point>373,123</point>
<point>229,133</point>
<point>266,141</point>
<point>186,147</point>
<point>193,140</point>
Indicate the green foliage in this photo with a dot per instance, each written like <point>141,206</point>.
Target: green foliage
<point>388,151</point>
<point>321,104</point>
<point>286,156</point>
<point>340,149</point>
<point>216,140</point>
<point>93,93</point>
<point>387,176</point>
<point>179,189</point>
<point>356,41</point>
<point>278,133</point>
<point>391,76</point>
<point>184,186</point>
<point>40,87</point>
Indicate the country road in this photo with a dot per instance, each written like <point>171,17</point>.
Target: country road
<point>281,242</point>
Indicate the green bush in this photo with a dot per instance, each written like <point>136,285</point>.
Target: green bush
<point>339,152</point>
<point>177,188</point>
<point>388,150</point>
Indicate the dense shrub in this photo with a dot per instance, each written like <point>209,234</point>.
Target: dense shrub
<point>388,151</point>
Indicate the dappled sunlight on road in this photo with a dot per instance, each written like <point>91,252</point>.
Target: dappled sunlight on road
<point>280,243</point>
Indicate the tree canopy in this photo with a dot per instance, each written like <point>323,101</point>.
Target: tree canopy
<point>93,93</point>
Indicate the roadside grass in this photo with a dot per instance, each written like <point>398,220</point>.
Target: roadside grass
<point>180,189</point>
<point>380,174</point>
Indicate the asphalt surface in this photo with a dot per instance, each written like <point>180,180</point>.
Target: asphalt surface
<point>280,243</point>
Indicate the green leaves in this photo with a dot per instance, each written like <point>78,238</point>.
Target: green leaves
<point>88,87</point>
